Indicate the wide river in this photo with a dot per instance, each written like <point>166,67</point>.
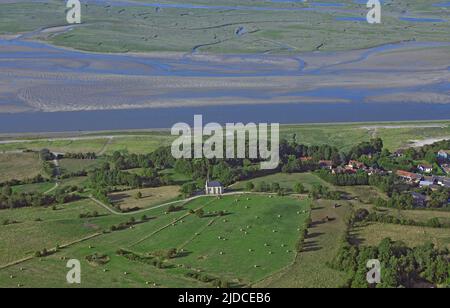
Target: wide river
<point>165,118</point>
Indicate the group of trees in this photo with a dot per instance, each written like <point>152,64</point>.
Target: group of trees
<point>322,192</point>
<point>404,200</point>
<point>88,155</point>
<point>46,155</point>
<point>344,179</point>
<point>34,180</point>
<point>12,200</point>
<point>401,266</point>
<point>365,215</point>
<point>106,178</point>
<point>159,159</point>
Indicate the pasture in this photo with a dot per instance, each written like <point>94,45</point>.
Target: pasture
<point>286,180</point>
<point>343,136</point>
<point>310,269</point>
<point>371,234</point>
<point>70,166</point>
<point>19,166</point>
<point>212,244</point>
<point>126,200</point>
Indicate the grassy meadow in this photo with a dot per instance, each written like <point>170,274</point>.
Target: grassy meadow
<point>270,226</point>
<point>19,166</point>
<point>371,234</point>
<point>150,197</point>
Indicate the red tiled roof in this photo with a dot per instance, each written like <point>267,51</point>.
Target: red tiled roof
<point>407,174</point>
<point>306,158</point>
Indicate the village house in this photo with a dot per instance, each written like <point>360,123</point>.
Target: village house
<point>340,170</point>
<point>409,176</point>
<point>356,165</point>
<point>326,164</point>
<point>443,155</point>
<point>425,168</point>
<point>214,188</point>
<point>444,182</point>
<point>429,181</point>
<point>445,168</point>
<point>399,153</point>
<point>306,159</point>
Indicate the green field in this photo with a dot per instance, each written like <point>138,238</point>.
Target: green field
<point>240,262</point>
<point>150,197</point>
<point>343,136</point>
<point>19,166</point>
<point>286,181</point>
<point>371,234</point>
<point>69,166</point>
<point>310,269</point>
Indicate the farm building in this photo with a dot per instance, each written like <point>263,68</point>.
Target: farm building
<point>443,154</point>
<point>409,176</point>
<point>326,164</point>
<point>425,168</point>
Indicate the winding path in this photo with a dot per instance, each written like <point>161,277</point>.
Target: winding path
<point>113,211</point>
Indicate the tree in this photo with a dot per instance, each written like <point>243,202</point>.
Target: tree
<point>138,195</point>
<point>7,190</point>
<point>249,186</point>
<point>430,157</point>
<point>275,187</point>
<point>200,213</point>
<point>188,189</point>
<point>172,253</point>
<point>262,187</point>
<point>299,188</point>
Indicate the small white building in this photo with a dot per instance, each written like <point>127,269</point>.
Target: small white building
<point>214,188</point>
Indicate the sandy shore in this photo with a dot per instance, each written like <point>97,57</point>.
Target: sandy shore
<point>66,80</point>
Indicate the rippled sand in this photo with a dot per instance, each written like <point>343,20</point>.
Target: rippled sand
<point>34,76</point>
